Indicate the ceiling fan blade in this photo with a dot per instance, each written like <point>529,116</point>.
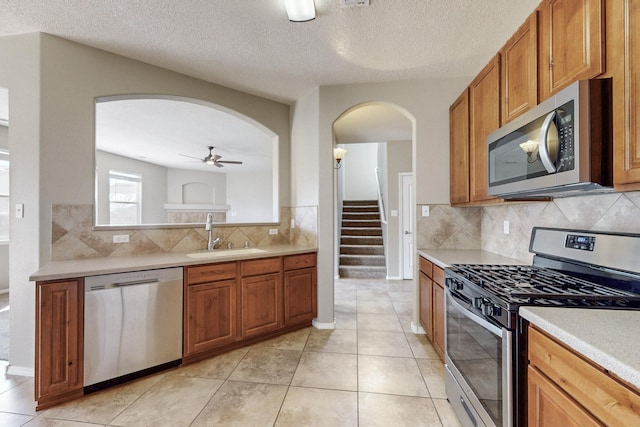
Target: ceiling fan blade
<point>230,162</point>
<point>191,157</point>
<point>218,165</point>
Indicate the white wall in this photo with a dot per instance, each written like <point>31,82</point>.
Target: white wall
<point>249,196</point>
<point>154,186</point>
<point>398,160</point>
<point>176,178</point>
<point>53,84</point>
<point>358,169</point>
<point>4,248</point>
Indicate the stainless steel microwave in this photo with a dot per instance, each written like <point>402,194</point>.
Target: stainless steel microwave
<point>561,147</point>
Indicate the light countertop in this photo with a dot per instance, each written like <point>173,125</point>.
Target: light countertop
<point>55,270</point>
<point>445,257</point>
<point>610,338</point>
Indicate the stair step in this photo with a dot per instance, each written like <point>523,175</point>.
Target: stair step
<point>366,260</point>
<point>369,272</point>
<point>361,223</point>
<point>360,209</point>
<point>361,231</point>
<point>359,202</point>
<point>361,250</point>
<point>361,240</point>
<point>360,216</point>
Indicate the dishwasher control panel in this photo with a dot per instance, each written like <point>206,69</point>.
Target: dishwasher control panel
<point>105,281</point>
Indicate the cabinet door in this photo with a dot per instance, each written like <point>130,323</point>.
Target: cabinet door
<point>426,305</point>
<point>261,304</point>
<point>299,296</point>
<point>571,43</point>
<point>484,106</point>
<point>627,145</point>
<point>520,70</point>
<point>459,150</point>
<point>548,406</point>
<point>59,341</point>
<point>210,316</point>
<point>438,319</point>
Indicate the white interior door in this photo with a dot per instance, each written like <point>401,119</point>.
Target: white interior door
<point>406,224</point>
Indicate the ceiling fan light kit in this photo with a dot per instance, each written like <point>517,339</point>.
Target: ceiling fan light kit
<point>214,159</point>
<point>300,10</point>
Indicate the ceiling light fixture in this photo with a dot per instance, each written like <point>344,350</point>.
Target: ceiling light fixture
<point>300,10</point>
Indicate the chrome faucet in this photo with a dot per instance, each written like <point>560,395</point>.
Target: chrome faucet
<point>211,243</point>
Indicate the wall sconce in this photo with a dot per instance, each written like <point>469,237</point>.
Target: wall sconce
<point>531,148</point>
<point>300,10</point>
<point>338,154</point>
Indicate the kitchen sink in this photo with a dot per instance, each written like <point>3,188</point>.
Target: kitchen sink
<point>221,253</point>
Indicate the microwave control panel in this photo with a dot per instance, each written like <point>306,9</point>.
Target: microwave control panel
<point>566,157</point>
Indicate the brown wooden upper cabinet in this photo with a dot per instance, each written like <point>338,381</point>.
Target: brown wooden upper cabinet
<point>520,70</point>
<point>626,162</point>
<point>459,149</point>
<point>484,118</point>
<point>571,43</point>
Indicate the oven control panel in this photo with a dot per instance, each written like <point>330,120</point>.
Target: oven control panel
<point>581,242</point>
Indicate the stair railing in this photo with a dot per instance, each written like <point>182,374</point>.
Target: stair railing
<point>383,215</point>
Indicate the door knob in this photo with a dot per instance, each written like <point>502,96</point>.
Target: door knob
<point>407,232</point>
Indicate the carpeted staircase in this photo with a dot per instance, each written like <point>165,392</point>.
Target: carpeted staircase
<point>361,243</point>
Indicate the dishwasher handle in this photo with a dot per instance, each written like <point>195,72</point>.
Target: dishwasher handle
<point>134,283</point>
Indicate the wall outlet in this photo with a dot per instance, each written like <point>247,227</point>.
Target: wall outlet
<point>425,211</point>
<point>19,210</point>
<point>273,231</point>
<point>120,238</point>
<point>505,227</point>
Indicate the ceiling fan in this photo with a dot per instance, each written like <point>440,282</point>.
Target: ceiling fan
<point>213,159</point>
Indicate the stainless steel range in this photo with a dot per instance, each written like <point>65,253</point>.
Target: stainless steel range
<point>485,344</point>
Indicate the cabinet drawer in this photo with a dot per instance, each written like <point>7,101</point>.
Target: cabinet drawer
<point>211,272</point>
<point>612,402</point>
<point>260,266</point>
<point>426,267</point>
<point>294,262</point>
<point>438,275</point>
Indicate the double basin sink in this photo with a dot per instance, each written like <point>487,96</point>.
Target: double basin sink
<point>222,253</point>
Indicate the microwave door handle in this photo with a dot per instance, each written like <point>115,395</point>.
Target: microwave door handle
<point>543,148</point>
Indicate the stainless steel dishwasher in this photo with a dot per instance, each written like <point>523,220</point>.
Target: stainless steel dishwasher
<point>132,325</point>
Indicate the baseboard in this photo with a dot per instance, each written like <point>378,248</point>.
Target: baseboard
<point>417,329</point>
<point>4,291</point>
<point>23,371</point>
<point>322,325</point>
<point>394,278</point>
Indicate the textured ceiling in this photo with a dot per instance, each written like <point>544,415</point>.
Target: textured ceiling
<point>250,45</point>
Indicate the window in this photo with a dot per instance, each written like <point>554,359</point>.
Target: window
<point>4,195</point>
<point>124,198</point>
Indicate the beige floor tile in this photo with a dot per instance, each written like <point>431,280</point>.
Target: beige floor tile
<point>267,365</point>
<point>333,341</point>
<point>390,375</point>
<point>19,399</point>
<point>174,401</point>
<point>398,411</point>
<point>327,370</point>
<point>371,285</point>
<point>103,406</point>
<point>345,285</point>
<point>403,307</point>
<point>433,373</point>
<point>378,322</point>
<point>402,295</point>
<point>405,321</point>
<point>378,343</point>
<point>219,367</point>
<point>243,404</point>
<point>311,407</point>
<point>445,411</point>
<point>292,341</point>
<point>345,307</point>
<point>400,286</point>
<point>375,295</point>
<point>13,420</point>
<point>381,307</point>
<point>10,381</point>
<point>345,320</point>
<point>344,295</point>
<point>51,422</point>
<point>421,347</point>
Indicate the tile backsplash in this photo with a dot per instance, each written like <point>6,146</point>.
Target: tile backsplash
<point>73,236</point>
<point>449,227</point>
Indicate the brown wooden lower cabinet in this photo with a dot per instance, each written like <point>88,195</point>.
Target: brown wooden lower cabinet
<point>59,341</point>
<point>567,389</point>
<point>300,296</point>
<point>261,304</point>
<point>431,304</point>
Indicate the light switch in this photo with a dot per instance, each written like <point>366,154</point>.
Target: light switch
<point>120,238</point>
<point>273,231</point>
<point>394,212</point>
<point>425,210</point>
<point>19,210</point>
<point>505,227</point>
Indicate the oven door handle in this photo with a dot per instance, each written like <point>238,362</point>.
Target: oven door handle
<point>474,317</point>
